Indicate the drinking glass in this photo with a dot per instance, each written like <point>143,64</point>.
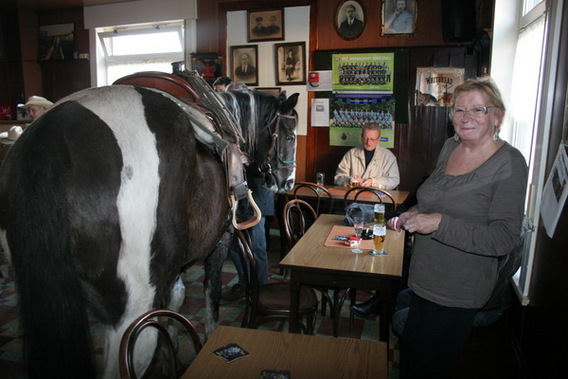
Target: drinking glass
<point>320,178</point>
<point>379,213</point>
<point>379,234</point>
<point>358,225</point>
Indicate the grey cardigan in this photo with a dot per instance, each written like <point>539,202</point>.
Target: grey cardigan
<point>482,213</point>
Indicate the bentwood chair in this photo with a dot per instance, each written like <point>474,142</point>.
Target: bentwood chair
<point>353,194</point>
<point>323,201</point>
<point>271,301</point>
<point>150,319</point>
<point>297,217</point>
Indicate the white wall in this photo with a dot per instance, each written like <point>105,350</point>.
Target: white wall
<point>296,29</point>
<point>137,12</point>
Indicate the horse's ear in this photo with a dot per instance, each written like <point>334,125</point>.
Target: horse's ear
<point>288,105</point>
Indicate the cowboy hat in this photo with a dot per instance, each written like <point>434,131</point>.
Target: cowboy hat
<point>38,101</point>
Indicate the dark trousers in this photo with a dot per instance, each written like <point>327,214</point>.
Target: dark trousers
<point>433,338</point>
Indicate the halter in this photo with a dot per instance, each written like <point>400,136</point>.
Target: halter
<point>265,167</point>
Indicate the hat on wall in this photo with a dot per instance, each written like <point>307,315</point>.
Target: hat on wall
<point>38,101</point>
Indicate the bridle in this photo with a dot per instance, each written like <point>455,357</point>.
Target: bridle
<point>265,167</point>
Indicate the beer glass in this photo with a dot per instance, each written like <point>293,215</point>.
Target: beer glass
<point>353,182</point>
<point>379,214</point>
<point>379,234</point>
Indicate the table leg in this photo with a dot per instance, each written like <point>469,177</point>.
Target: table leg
<point>294,301</point>
<point>386,310</point>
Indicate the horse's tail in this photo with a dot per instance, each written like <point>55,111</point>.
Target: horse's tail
<point>57,342</point>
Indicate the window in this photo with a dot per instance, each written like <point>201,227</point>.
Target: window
<point>534,29</point>
<point>130,49</point>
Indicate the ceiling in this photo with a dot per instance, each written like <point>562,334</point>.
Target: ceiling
<point>50,5</point>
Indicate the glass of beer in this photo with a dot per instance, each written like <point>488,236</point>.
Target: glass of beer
<point>379,234</point>
<point>353,182</point>
<point>379,214</point>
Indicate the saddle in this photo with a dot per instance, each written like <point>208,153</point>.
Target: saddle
<point>206,112</point>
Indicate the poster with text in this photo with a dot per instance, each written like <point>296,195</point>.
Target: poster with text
<point>435,85</point>
<point>363,72</point>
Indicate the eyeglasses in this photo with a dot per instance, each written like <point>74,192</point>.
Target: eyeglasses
<point>370,139</point>
<point>476,112</point>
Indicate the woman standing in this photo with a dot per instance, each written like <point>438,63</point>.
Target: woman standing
<point>469,213</point>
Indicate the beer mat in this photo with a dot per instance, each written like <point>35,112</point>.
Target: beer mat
<point>345,231</point>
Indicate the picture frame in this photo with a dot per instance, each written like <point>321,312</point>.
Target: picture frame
<point>290,63</point>
<point>244,63</point>
<point>274,91</point>
<point>208,65</point>
<point>399,17</point>
<point>265,25</point>
<point>56,42</point>
<point>350,19</point>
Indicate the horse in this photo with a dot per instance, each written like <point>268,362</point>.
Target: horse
<point>106,198</point>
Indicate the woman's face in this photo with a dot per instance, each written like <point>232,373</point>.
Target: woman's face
<point>472,127</point>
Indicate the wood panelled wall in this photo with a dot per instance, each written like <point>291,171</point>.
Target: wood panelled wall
<point>420,131</point>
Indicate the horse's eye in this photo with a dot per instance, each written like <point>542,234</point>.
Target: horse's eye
<point>290,138</point>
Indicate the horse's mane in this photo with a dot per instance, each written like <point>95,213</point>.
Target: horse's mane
<point>253,111</point>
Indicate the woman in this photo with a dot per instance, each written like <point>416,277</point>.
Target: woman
<point>469,212</point>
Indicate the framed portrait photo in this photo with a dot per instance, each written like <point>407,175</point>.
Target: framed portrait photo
<point>208,65</point>
<point>265,25</point>
<point>349,19</point>
<point>290,63</point>
<point>274,91</point>
<point>399,17</point>
<point>244,63</point>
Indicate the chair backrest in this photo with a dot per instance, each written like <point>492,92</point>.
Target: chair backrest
<point>150,318</point>
<point>323,201</point>
<point>297,217</point>
<point>352,195</point>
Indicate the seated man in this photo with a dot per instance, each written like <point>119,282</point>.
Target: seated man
<point>371,165</point>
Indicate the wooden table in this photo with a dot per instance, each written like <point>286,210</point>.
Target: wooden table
<point>304,356</point>
<point>312,263</point>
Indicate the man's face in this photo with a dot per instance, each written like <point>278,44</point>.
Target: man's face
<point>370,139</point>
<point>350,13</point>
<point>244,60</point>
<point>401,5</point>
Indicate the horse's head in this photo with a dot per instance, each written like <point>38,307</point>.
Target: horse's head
<point>279,165</point>
<point>269,128</point>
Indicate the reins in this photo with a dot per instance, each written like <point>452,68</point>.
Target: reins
<point>265,167</point>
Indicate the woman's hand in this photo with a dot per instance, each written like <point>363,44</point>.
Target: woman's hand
<point>423,223</point>
<point>403,218</point>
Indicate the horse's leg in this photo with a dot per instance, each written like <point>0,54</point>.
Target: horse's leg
<point>212,284</point>
<point>145,344</point>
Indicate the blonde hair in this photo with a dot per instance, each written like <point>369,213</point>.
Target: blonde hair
<point>487,87</point>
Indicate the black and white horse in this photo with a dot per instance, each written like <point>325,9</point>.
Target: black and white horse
<point>104,200</point>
